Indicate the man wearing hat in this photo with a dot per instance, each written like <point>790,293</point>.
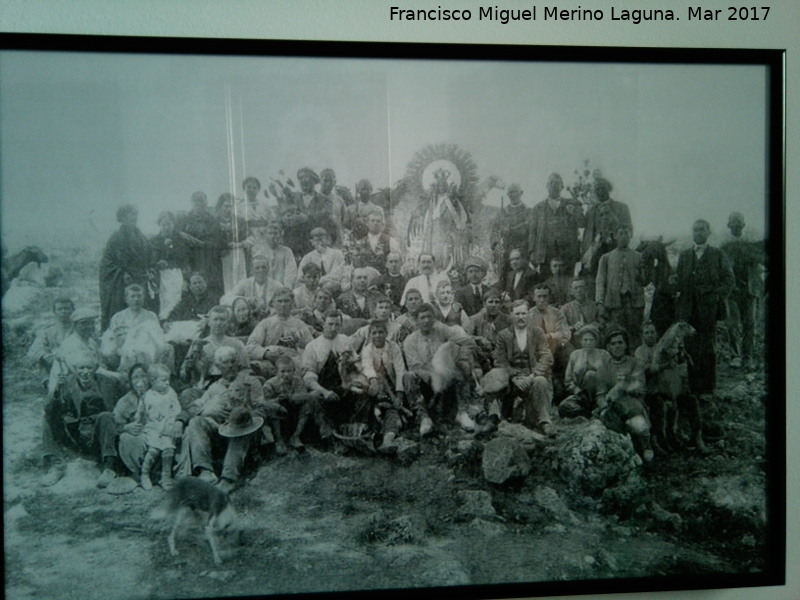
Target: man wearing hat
<point>225,419</point>
<point>82,341</point>
<point>553,229</point>
<point>471,295</point>
<point>330,260</point>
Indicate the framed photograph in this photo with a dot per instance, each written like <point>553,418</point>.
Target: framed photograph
<point>620,210</point>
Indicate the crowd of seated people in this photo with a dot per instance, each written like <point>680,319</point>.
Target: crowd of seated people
<point>229,333</point>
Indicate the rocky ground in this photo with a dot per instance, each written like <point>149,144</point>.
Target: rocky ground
<point>452,510</point>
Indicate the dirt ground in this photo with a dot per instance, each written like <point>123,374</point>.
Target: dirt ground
<point>318,521</point>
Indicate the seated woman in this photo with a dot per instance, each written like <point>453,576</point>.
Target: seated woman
<point>588,375</point>
<point>244,320</point>
<point>132,447</point>
<point>623,408</point>
<point>195,302</point>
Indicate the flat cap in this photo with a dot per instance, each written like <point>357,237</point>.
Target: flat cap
<point>476,261</point>
<point>310,172</point>
<point>81,314</point>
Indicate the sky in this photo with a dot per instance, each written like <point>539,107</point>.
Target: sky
<point>82,133</point>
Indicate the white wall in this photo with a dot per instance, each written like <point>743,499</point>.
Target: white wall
<point>369,20</point>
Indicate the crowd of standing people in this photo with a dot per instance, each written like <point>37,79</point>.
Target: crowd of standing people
<point>254,326</point>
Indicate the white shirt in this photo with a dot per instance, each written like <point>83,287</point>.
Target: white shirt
<point>420,282</point>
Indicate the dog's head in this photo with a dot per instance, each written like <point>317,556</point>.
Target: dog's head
<point>225,520</point>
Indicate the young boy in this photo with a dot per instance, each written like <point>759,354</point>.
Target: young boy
<point>287,388</point>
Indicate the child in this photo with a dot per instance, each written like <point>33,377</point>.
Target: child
<point>287,388</point>
<point>157,413</point>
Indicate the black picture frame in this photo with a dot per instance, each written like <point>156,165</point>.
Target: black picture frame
<point>424,54</point>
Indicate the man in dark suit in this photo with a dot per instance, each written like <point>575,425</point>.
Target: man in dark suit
<point>522,278</point>
<point>705,279</point>
<point>471,295</point>
<point>358,302</point>
<point>523,352</point>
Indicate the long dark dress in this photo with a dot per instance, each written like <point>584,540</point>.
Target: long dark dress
<point>205,258</point>
<point>126,260</point>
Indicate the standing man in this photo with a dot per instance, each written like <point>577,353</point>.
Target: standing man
<point>745,258</point>
<point>602,221</point>
<point>705,279</point>
<point>327,187</point>
<point>553,230</point>
<point>618,287</point>
<point>511,226</point>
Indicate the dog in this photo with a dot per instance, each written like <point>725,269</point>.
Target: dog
<point>350,373</point>
<point>194,497</point>
<point>668,388</point>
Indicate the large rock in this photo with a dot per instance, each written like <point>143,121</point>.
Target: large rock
<point>475,503</point>
<point>504,458</point>
<point>597,462</point>
<point>527,437</point>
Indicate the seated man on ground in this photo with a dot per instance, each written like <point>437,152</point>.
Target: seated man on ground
<point>419,349</point>
<point>523,353</point>
<point>227,419</point>
<point>383,366</point>
<point>78,416</point>
<point>278,335</point>
<point>288,389</point>
<point>321,361</point>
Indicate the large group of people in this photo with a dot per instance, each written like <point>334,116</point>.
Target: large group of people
<point>271,327</point>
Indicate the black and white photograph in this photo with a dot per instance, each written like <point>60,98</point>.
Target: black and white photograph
<point>289,318</point>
